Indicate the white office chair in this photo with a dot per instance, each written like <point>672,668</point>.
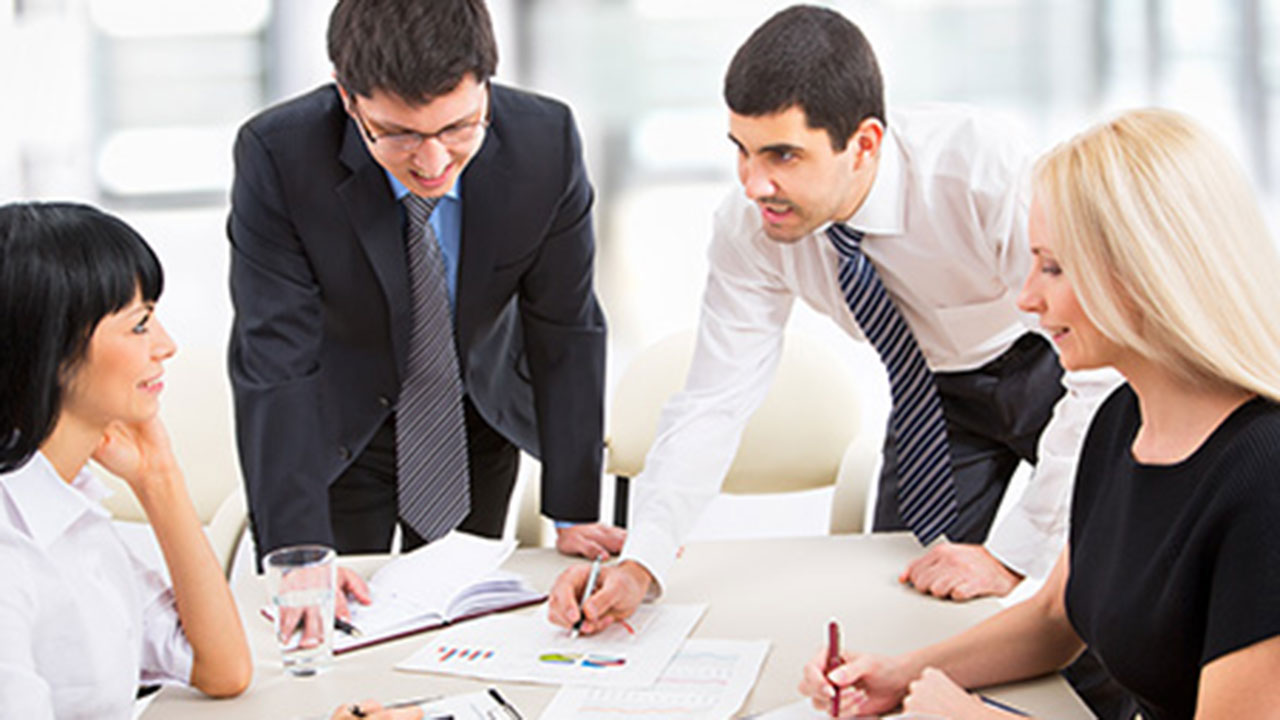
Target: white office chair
<point>806,434</point>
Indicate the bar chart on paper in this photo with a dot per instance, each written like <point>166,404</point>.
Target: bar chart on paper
<point>706,680</point>
<point>529,648</point>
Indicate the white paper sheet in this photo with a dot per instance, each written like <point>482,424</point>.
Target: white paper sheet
<point>706,680</point>
<point>803,710</point>
<point>529,648</point>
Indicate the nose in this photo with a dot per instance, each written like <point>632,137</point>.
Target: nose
<point>755,181</point>
<point>1030,298</point>
<point>431,157</point>
<point>162,345</point>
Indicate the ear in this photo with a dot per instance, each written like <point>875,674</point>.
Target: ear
<point>865,142</point>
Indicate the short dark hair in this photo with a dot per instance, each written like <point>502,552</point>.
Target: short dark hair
<point>63,268</point>
<point>814,58</point>
<point>415,49</point>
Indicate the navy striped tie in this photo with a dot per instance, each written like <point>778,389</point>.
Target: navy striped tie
<point>432,474</point>
<point>926,489</point>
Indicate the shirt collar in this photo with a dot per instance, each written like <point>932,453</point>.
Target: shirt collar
<point>399,190</point>
<point>46,504</point>
<point>884,210</point>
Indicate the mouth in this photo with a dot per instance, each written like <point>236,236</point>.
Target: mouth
<point>431,182</point>
<point>1057,333</point>
<point>775,212</point>
<point>152,385</point>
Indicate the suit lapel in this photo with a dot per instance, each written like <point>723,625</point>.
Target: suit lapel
<point>486,188</point>
<point>378,223</point>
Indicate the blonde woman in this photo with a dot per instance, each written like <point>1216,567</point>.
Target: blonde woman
<point>1152,257</point>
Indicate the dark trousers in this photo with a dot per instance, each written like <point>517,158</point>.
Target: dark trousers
<point>995,415</point>
<point>362,501</point>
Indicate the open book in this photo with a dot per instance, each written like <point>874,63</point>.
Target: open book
<point>451,579</point>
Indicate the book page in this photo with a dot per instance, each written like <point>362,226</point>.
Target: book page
<point>706,680</point>
<point>416,589</point>
<point>527,647</point>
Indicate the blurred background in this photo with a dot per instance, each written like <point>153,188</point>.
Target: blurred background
<point>133,104</point>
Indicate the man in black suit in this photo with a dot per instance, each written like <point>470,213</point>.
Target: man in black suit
<point>343,428</point>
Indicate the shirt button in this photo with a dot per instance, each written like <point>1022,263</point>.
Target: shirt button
<point>384,401</point>
<point>343,452</point>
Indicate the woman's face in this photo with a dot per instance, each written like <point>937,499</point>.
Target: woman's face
<point>1049,294</point>
<point>119,378</point>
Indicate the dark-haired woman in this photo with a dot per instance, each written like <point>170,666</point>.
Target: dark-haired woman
<point>82,621</point>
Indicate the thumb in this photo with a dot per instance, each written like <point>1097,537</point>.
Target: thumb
<point>852,671</point>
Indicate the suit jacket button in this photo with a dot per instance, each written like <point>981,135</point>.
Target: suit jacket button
<point>384,401</point>
<point>343,452</point>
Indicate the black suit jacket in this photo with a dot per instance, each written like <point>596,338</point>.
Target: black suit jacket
<point>321,296</point>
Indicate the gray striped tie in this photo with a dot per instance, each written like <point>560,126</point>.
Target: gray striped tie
<point>431,442</point>
<point>926,488</point>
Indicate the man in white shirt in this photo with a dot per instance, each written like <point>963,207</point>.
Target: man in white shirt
<point>936,200</point>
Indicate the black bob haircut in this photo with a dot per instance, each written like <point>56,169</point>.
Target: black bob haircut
<point>813,58</point>
<point>63,268</point>
<point>414,49</point>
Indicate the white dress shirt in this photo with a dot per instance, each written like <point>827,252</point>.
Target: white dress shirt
<point>945,224</point>
<point>82,621</point>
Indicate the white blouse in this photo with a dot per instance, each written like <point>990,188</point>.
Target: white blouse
<point>83,621</point>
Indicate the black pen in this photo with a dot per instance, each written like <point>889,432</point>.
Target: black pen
<point>511,709</point>
<point>358,712</point>
<point>347,628</point>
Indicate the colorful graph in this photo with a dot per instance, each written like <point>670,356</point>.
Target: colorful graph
<point>459,654</point>
<point>591,660</point>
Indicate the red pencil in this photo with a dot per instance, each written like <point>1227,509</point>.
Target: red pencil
<point>833,661</point>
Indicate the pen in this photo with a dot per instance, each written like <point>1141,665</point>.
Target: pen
<point>346,627</point>
<point>833,661</point>
<point>586,593</point>
<point>358,712</point>
<point>511,709</point>
<point>1001,706</point>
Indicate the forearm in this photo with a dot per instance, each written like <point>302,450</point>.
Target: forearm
<point>1029,639</point>
<point>222,664</point>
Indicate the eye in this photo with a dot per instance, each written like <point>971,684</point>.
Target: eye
<point>141,326</point>
<point>1050,268</point>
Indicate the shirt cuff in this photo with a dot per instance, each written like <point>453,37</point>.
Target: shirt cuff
<point>562,524</point>
<point>1025,547</point>
<point>655,552</point>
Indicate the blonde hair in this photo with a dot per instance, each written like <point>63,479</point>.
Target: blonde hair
<point>1163,240</point>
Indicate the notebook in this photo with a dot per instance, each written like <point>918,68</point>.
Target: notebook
<point>452,579</point>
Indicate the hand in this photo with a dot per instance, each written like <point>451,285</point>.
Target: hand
<point>308,620</point>
<point>959,572</point>
<point>136,452</point>
<point>373,710</point>
<point>619,591</point>
<point>349,583</point>
<point>935,694</point>
<point>591,541</point>
<point>869,684</point>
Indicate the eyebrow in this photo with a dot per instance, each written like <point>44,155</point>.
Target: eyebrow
<point>775,148</point>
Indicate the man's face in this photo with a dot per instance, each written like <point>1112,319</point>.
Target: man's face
<point>426,147</point>
<point>795,177</point>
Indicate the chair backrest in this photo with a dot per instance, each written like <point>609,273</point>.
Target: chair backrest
<point>799,438</point>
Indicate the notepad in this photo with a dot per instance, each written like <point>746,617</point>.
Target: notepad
<point>452,579</point>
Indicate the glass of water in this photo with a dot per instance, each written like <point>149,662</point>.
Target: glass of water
<point>301,580</point>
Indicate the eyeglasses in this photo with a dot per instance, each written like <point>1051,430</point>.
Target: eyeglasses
<point>455,137</point>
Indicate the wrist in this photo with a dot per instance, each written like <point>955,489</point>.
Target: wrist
<point>638,574</point>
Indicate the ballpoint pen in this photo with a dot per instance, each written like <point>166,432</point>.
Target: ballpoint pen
<point>355,709</point>
<point>346,627</point>
<point>833,662</point>
<point>586,593</point>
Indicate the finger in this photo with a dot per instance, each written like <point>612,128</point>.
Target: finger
<point>563,607</point>
<point>352,584</point>
<point>614,539</point>
<point>312,633</point>
<point>593,550</point>
<point>289,621</point>
<point>340,608</point>
<point>409,713</point>
<point>944,584</point>
<point>852,671</point>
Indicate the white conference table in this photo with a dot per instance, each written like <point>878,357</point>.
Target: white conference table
<point>784,590</point>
